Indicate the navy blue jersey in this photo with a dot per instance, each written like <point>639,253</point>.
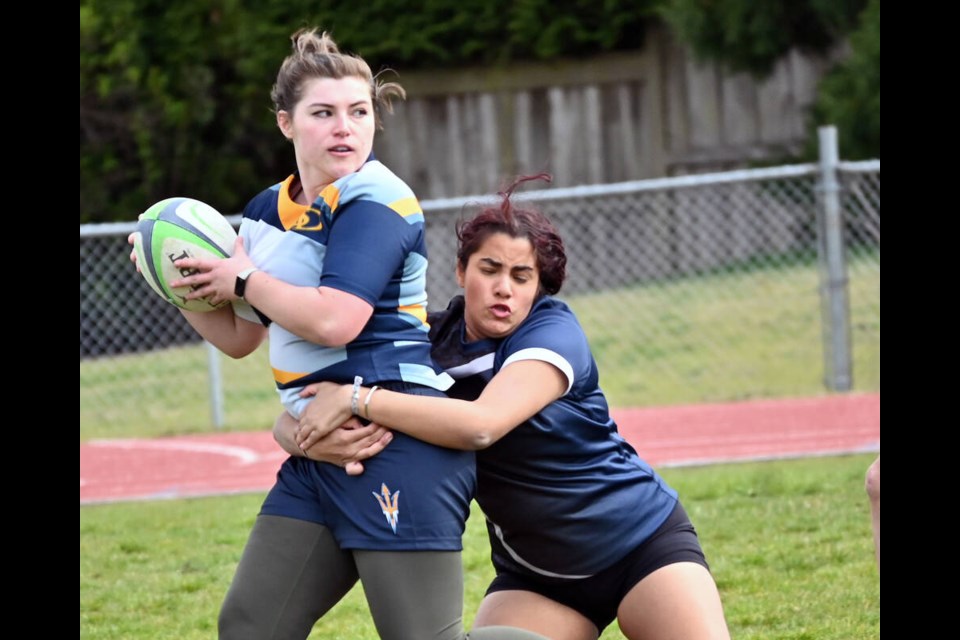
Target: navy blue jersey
<point>564,494</point>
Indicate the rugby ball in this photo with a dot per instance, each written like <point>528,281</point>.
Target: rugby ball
<point>178,228</point>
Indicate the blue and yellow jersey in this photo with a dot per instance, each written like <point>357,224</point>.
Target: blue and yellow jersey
<point>363,235</point>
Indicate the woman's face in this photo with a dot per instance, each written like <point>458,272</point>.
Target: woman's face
<point>331,127</point>
<point>500,285</point>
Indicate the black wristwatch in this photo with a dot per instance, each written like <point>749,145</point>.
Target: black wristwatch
<point>240,286</point>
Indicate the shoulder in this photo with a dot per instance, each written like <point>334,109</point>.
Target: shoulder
<point>552,334</point>
<point>550,313</point>
<point>376,185</point>
<point>446,322</point>
<point>469,363</point>
<point>264,203</point>
<point>551,326</point>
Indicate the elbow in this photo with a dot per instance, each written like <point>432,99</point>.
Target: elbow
<point>484,424</point>
<point>480,440</point>
<point>480,428</point>
<point>237,351</point>
<point>332,335</point>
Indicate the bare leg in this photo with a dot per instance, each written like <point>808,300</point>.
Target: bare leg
<point>676,602</point>
<point>533,612</point>
<point>504,633</point>
<point>873,491</point>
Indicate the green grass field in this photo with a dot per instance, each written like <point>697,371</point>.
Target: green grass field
<point>732,335</point>
<point>747,333</point>
<point>789,543</point>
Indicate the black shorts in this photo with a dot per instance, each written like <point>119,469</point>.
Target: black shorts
<point>599,596</point>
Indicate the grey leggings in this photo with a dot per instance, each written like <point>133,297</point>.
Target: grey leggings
<point>292,572</point>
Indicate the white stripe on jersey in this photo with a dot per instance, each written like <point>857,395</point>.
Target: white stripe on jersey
<point>518,559</point>
<point>479,365</point>
<point>544,355</point>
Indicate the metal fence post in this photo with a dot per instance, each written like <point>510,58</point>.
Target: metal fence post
<point>216,385</point>
<point>833,272</point>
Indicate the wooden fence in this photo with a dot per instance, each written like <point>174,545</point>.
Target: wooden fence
<point>625,116</point>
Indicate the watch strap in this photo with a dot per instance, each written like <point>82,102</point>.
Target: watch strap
<point>240,285</point>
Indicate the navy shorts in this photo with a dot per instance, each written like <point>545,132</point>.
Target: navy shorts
<point>598,597</point>
<point>412,496</point>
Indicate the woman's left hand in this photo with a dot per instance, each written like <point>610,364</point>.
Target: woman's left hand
<point>213,278</point>
<point>346,447</point>
<point>329,409</point>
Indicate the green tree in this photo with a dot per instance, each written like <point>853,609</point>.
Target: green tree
<point>750,35</point>
<point>849,95</point>
<point>174,94</point>
<point>167,93</point>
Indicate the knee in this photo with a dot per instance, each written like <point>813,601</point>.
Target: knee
<point>872,483</point>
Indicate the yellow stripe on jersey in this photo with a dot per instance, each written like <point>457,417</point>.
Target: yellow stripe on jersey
<point>418,311</point>
<point>406,206</point>
<point>331,195</point>
<point>283,377</point>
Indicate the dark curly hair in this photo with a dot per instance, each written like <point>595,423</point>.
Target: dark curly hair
<point>517,222</point>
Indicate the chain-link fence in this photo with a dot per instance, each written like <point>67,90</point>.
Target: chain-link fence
<point>701,288</point>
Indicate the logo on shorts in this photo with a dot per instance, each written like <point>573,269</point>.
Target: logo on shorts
<point>389,504</point>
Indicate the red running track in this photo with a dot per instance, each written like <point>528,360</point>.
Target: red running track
<point>221,463</point>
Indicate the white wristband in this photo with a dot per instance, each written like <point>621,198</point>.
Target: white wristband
<point>355,398</point>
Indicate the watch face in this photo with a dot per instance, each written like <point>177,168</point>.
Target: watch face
<point>239,287</point>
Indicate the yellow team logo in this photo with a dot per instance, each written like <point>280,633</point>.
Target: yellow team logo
<point>309,220</point>
<point>312,218</point>
<point>389,504</point>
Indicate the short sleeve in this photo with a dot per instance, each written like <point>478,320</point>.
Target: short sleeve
<point>368,245</point>
<point>550,335</point>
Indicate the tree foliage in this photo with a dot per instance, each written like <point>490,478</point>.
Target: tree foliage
<point>751,35</point>
<point>849,96</point>
<point>174,94</point>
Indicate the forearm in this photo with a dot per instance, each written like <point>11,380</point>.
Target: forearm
<point>442,421</point>
<point>233,336</point>
<point>320,315</point>
<point>324,315</point>
<point>447,422</point>
<point>515,394</point>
